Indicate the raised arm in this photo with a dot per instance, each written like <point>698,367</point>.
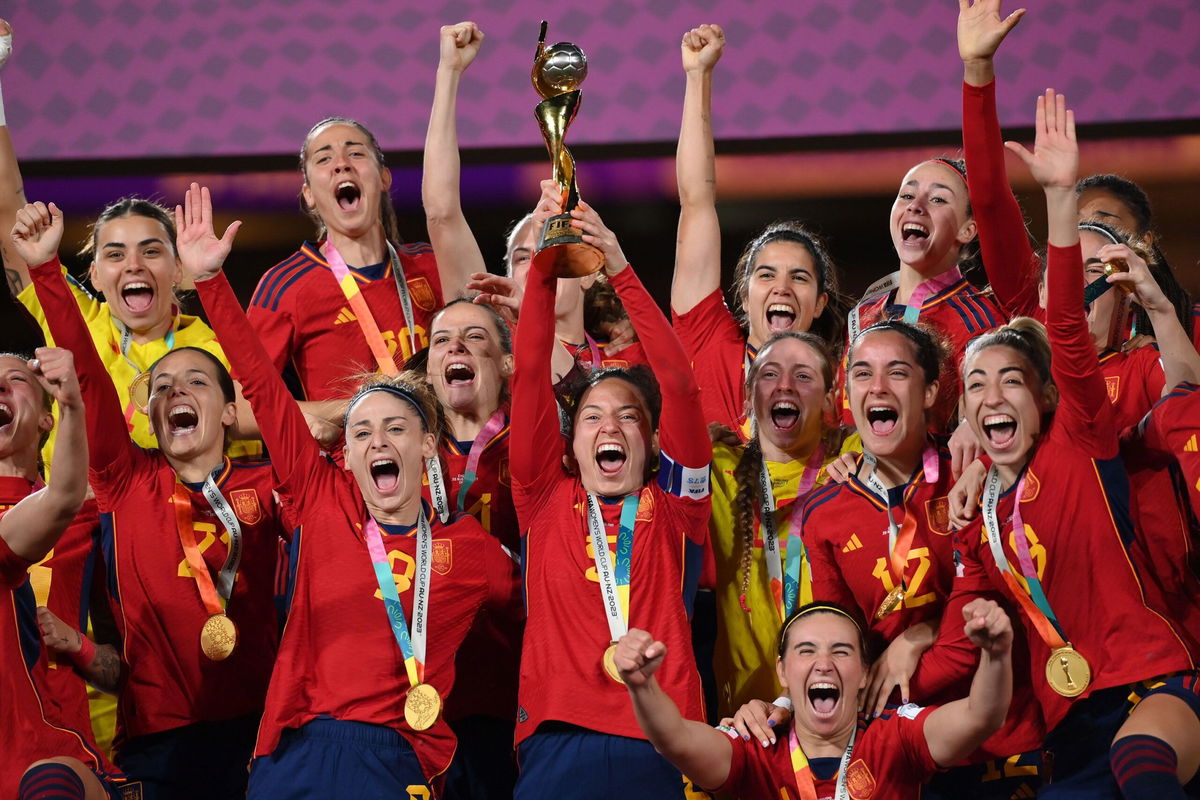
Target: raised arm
<point>698,242</point>
<point>284,429</point>
<point>953,731</point>
<point>1008,258</point>
<point>32,527</point>
<point>454,245</point>
<point>682,431</point>
<point>702,753</point>
<point>12,190</point>
<point>36,237</point>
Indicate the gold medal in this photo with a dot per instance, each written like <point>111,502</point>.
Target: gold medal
<point>218,637</point>
<point>422,707</point>
<point>1068,672</point>
<point>890,603</point>
<point>609,662</point>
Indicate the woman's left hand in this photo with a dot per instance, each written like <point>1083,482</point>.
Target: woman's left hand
<point>201,253</point>
<point>585,219</point>
<point>896,666</point>
<point>1137,281</point>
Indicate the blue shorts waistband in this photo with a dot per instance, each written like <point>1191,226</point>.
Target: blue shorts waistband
<point>342,730</point>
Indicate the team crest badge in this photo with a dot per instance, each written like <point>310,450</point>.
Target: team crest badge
<point>937,512</point>
<point>645,511</point>
<point>1032,487</point>
<point>131,791</point>
<point>860,783</point>
<point>245,505</point>
<point>1113,384</point>
<point>443,556</point>
<point>422,293</point>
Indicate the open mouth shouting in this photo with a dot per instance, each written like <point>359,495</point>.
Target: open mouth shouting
<point>385,473</point>
<point>785,415</point>
<point>348,194</point>
<point>882,419</point>
<point>610,457</point>
<point>823,697</point>
<point>458,374</point>
<point>1000,429</point>
<point>182,420</point>
<point>780,317</point>
<point>6,416</point>
<point>913,231</point>
<point>137,296</point>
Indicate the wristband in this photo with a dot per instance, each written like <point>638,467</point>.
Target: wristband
<point>86,655</point>
<point>783,701</point>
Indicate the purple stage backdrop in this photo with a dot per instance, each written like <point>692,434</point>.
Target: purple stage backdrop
<point>139,78</point>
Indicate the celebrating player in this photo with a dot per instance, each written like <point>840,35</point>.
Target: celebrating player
<point>191,541</point>
<point>358,272</point>
<point>758,490</point>
<point>576,500</point>
<point>40,757</point>
<point>354,700</point>
<point>785,280</point>
<point>1106,667</point>
<point>830,751</point>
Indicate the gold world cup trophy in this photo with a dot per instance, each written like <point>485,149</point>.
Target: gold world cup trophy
<point>558,70</point>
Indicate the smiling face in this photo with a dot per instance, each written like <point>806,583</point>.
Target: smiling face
<point>823,671</point>
<point>1005,401</point>
<point>386,448</point>
<point>188,409</point>
<point>929,220</point>
<point>612,440</point>
<point>888,394</point>
<point>23,413</point>
<point>467,366</point>
<point>344,182</point>
<point>136,271</point>
<point>782,290</point>
<point>789,394</point>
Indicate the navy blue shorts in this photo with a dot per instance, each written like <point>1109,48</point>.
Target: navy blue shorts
<point>1077,749</point>
<point>566,761</point>
<point>483,766</point>
<point>329,758</point>
<point>1017,776</point>
<point>195,762</point>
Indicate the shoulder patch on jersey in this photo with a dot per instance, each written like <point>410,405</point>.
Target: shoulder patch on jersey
<point>937,513</point>
<point>728,731</point>
<point>246,506</point>
<point>860,783</point>
<point>422,293</point>
<point>909,710</point>
<point>443,556</point>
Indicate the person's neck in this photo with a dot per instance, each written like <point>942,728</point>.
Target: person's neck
<point>155,332</point>
<point>911,278</point>
<point>360,251</point>
<point>1008,474</point>
<point>896,469</point>
<point>405,514</point>
<point>800,450</point>
<point>197,469</point>
<point>465,424</point>
<point>834,745</point>
<point>23,464</point>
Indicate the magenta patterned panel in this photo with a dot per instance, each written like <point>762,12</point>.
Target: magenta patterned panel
<point>141,78</point>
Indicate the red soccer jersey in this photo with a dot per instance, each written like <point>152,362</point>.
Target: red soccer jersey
<point>62,582</point>
<point>338,656</point>
<point>891,761</point>
<point>959,313</point>
<point>1172,428</point>
<point>1075,507</point>
<point>1134,382</point>
<point>304,320</point>
<point>489,497</point>
<point>1196,325</point>
<point>625,357</point>
<point>28,736</point>
<point>567,629</point>
<point>717,349</point>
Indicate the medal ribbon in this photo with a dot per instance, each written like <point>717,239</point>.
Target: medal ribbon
<point>597,358</point>
<point>805,781</point>
<point>900,536</point>
<point>485,435</point>
<point>1033,600</point>
<point>412,647</point>
<point>214,595</point>
<point>126,342</point>
<point>912,311</point>
<point>791,584</point>
<point>358,303</point>
<point>614,577</point>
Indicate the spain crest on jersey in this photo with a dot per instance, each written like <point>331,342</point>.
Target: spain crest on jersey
<point>422,293</point>
<point>1032,487</point>
<point>937,513</point>
<point>860,783</point>
<point>1113,384</point>
<point>246,506</point>
<point>443,556</point>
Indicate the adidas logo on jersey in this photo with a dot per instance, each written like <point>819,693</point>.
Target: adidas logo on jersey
<point>853,544</point>
<point>1190,447</point>
<point>344,316</point>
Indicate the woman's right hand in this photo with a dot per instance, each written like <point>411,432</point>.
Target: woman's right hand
<point>981,30</point>
<point>1054,162</point>
<point>758,719</point>
<point>38,233</point>
<point>702,47</point>
<point>201,253</point>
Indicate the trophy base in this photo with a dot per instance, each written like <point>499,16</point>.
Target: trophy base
<point>562,252</point>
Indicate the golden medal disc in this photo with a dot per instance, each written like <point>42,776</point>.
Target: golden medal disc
<point>422,707</point>
<point>609,662</point>
<point>890,603</point>
<point>1068,672</point>
<point>218,637</point>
